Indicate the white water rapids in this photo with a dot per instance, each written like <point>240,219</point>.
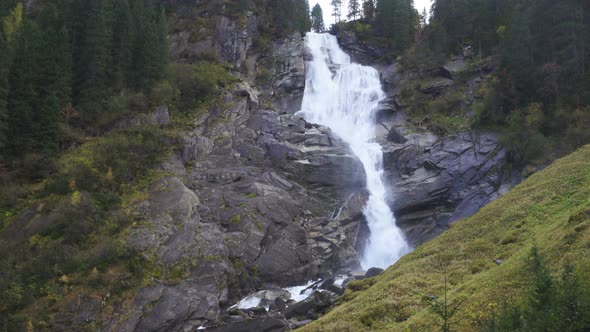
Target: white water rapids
<point>344,96</point>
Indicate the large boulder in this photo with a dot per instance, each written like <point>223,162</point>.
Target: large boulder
<point>311,307</point>
<point>262,324</point>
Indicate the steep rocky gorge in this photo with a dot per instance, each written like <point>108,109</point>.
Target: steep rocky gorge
<point>258,198</point>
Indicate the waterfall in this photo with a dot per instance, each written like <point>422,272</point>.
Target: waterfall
<point>344,96</point>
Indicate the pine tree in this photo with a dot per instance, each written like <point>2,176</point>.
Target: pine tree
<point>4,68</point>
<point>353,9</point>
<point>122,40</point>
<point>317,18</point>
<point>290,15</point>
<point>302,14</point>
<point>55,61</point>
<point>423,18</point>
<point>95,60</point>
<point>336,10</point>
<point>540,296</point>
<point>149,47</point>
<point>453,16</point>
<point>47,139</point>
<point>396,21</point>
<point>369,10</point>
<point>54,78</point>
<point>23,96</point>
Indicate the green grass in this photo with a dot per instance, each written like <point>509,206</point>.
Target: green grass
<point>551,210</point>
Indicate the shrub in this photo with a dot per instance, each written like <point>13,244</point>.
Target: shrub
<point>197,83</point>
<point>163,93</point>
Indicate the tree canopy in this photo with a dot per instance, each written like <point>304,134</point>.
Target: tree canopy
<point>317,18</point>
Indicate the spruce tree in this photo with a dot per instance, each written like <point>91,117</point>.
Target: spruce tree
<point>302,16</point>
<point>395,20</point>
<point>121,49</point>
<point>336,10</point>
<point>149,47</point>
<point>47,140</point>
<point>54,83</point>
<point>290,15</point>
<point>95,60</point>
<point>23,97</point>
<point>55,61</point>
<point>353,9</point>
<point>317,18</point>
<point>369,10</point>
<point>4,67</point>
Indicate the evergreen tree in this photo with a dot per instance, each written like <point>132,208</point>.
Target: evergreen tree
<point>452,15</point>
<point>572,302</point>
<point>47,139</point>
<point>4,68</point>
<point>291,15</point>
<point>95,59</point>
<point>55,61</point>
<point>317,18</point>
<point>23,97</point>
<point>149,52</point>
<point>302,16</point>
<point>122,40</point>
<point>369,10</point>
<point>353,9</point>
<point>540,296</point>
<point>54,83</point>
<point>423,18</point>
<point>396,21</point>
<point>336,10</point>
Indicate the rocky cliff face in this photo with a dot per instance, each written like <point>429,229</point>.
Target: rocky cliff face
<point>435,178</point>
<point>258,198</point>
<point>251,195</point>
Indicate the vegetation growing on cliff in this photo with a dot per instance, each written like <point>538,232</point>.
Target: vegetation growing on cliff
<point>539,95</point>
<point>72,75</point>
<point>488,263</point>
<point>538,52</point>
<point>81,56</point>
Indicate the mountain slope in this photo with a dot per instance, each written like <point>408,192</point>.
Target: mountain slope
<point>482,258</point>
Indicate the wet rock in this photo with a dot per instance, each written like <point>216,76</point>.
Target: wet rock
<point>264,324</point>
<point>280,304</point>
<point>373,272</point>
<point>329,285</point>
<point>310,307</point>
<point>396,137</point>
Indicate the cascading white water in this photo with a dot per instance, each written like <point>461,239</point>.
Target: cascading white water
<point>344,96</point>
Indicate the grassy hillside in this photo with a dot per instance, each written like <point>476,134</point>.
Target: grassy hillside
<point>550,211</point>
